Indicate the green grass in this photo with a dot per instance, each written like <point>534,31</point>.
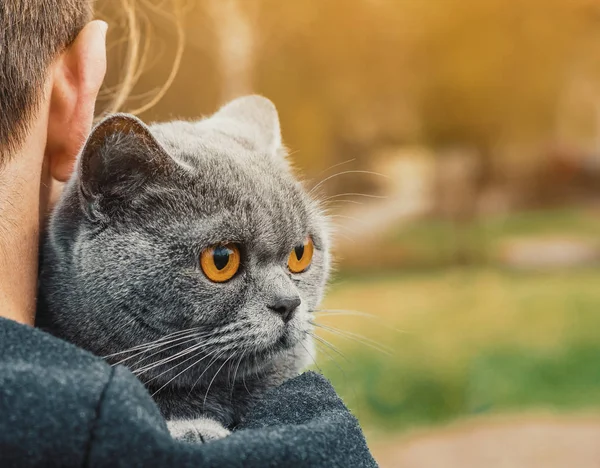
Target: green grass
<point>435,242</point>
<point>568,221</point>
<point>472,341</point>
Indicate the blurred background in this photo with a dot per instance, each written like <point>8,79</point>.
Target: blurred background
<point>456,145</point>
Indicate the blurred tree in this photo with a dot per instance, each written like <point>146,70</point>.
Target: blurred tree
<point>351,76</point>
<point>233,26</point>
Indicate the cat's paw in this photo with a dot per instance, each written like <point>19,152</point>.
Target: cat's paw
<point>197,430</point>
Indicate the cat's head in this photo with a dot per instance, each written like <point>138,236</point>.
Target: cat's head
<point>197,226</point>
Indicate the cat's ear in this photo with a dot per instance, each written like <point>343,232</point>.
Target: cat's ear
<point>253,119</point>
<point>119,157</point>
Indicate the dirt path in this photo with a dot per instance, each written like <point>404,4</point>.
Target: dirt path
<point>526,442</point>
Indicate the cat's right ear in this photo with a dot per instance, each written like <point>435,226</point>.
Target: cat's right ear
<point>118,159</point>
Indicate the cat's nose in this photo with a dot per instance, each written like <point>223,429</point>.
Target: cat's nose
<point>285,306</point>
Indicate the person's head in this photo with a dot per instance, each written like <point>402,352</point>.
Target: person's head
<point>52,63</point>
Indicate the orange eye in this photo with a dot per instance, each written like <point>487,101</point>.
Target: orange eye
<point>220,262</point>
<point>300,258</point>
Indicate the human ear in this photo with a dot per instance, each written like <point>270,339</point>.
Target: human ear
<point>76,79</point>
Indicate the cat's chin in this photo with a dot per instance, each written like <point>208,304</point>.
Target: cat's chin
<point>290,338</point>
<point>277,366</point>
<point>265,355</point>
<point>286,341</point>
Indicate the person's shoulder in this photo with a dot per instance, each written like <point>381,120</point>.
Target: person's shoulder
<point>62,406</point>
<point>51,397</point>
<point>32,359</point>
<point>23,342</point>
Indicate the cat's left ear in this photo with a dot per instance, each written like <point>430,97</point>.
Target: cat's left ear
<point>120,157</point>
<point>254,120</point>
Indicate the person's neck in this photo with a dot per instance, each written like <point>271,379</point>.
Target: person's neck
<point>23,194</point>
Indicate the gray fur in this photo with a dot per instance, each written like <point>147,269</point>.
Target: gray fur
<point>120,264</point>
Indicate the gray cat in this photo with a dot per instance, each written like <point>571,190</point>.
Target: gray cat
<point>189,252</point>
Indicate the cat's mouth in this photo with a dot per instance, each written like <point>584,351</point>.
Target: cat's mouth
<point>288,339</point>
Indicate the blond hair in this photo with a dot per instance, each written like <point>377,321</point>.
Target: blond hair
<point>134,35</point>
<point>34,32</point>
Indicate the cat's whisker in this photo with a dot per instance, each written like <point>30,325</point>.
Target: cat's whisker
<point>324,342</point>
<point>324,349</point>
<point>343,200</point>
<point>237,367</point>
<point>162,362</point>
<point>161,348</point>
<point>168,359</point>
<point>151,343</point>
<point>178,355</point>
<point>331,357</point>
<point>352,335</point>
<point>348,161</point>
<point>225,328</point>
<point>348,312</point>
<point>355,337</point>
<point>334,311</point>
<point>351,218</point>
<point>183,371</point>
<point>311,356</point>
<point>355,194</point>
<point>325,346</point>
<point>329,314</point>
<point>245,386</point>
<point>338,174</point>
<point>344,235</point>
<point>337,229</point>
<point>256,366</point>
<point>150,346</point>
<point>206,342</point>
<point>214,377</point>
<point>173,343</point>
<point>174,334</point>
<point>212,361</point>
<point>339,367</point>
